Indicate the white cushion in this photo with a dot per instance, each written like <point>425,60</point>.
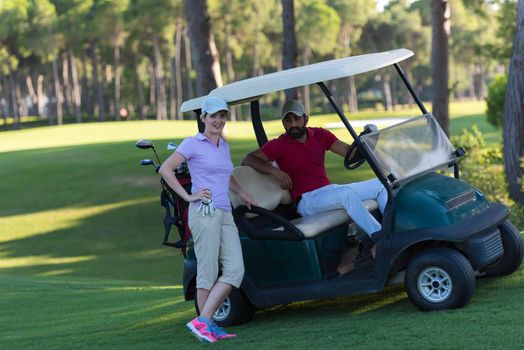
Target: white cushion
<point>313,225</point>
<point>263,188</point>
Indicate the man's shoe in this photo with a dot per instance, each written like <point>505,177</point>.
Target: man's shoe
<point>219,333</point>
<point>366,243</point>
<point>202,329</point>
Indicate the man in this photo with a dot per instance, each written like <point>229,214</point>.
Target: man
<point>299,153</point>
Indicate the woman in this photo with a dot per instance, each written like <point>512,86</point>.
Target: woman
<point>215,235</point>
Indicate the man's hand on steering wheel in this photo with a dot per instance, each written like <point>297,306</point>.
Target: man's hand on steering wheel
<point>353,158</point>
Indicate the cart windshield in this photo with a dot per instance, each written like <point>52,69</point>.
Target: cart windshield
<point>413,147</point>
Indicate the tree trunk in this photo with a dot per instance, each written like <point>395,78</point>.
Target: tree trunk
<point>22,106</point>
<point>394,97</point>
<point>440,17</point>
<point>4,107</point>
<point>289,49</point>
<point>161,102</point>
<point>178,67</point>
<point>97,86</point>
<point>203,49</point>
<point>87,101</point>
<point>514,113</point>
<point>139,89</point>
<point>176,80</point>
<point>188,65</point>
<point>479,80</point>
<point>66,86</point>
<point>32,94</point>
<point>471,81</point>
<point>117,80</point>
<point>386,90</point>
<point>172,86</point>
<point>230,74</point>
<point>76,88</point>
<point>307,100</point>
<point>352,99</point>
<point>58,94</point>
<point>40,95</point>
<point>12,100</point>
<point>256,43</point>
<point>152,87</point>
<point>107,76</point>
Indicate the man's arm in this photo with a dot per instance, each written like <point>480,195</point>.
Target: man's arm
<point>260,162</point>
<point>341,148</point>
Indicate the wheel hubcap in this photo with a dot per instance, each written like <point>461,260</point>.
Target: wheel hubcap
<point>435,284</point>
<point>223,311</point>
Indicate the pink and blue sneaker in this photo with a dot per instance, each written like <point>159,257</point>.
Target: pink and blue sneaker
<point>220,333</point>
<point>202,329</point>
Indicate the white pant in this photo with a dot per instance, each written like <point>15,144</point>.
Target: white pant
<point>348,197</point>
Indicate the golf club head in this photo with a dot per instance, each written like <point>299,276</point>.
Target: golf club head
<point>147,162</point>
<point>144,144</point>
<point>171,146</point>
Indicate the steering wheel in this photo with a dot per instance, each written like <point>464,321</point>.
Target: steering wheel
<point>358,159</point>
<point>354,162</point>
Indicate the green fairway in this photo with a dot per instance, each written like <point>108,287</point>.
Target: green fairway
<point>81,264</point>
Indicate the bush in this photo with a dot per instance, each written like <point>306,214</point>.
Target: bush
<point>495,101</point>
<point>483,167</point>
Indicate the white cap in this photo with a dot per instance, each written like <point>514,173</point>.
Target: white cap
<point>213,104</point>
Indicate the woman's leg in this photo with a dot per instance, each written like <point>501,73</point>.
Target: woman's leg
<point>232,263</point>
<point>206,238</point>
<point>216,297</point>
<point>202,295</point>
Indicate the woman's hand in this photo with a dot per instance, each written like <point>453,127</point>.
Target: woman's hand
<point>201,195</point>
<point>247,199</point>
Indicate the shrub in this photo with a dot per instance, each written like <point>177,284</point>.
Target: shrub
<point>495,101</point>
<point>483,167</point>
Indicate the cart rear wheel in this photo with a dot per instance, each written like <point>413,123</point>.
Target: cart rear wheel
<point>439,279</point>
<point>235,310</point>
<point>513,252</point>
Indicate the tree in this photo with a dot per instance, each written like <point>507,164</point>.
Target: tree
<point>203,48</point>
<point>353,15</point>
<point>318,25</point>
<point>111,21</point>
<point>289,44</point>
<point>440,17</point>
<point>514,112</point>
<point>13,17</point>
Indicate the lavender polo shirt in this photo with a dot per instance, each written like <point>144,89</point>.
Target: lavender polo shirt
<point>210,167</point>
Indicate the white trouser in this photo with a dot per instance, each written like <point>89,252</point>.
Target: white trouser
<point>348,197</point>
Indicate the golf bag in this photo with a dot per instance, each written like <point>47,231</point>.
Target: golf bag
<point>176,209</point>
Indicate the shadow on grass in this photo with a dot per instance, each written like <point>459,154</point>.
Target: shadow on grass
<point>123,243</point>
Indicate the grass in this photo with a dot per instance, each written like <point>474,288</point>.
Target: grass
<point>81,263</point>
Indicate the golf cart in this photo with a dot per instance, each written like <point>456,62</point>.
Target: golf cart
<point>438,232</point>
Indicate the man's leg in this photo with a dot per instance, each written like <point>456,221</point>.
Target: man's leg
<point>371,189</point>
<point>336,197</point>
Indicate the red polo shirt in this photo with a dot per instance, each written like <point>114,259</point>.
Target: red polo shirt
<point>303,162</point>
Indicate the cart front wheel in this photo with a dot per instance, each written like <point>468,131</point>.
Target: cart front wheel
<point>439,279</point>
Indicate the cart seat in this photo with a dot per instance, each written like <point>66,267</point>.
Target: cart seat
<point>313,225</point>
<point>268,194</point>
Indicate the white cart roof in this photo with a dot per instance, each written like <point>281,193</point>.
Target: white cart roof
<point>253,88</point>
